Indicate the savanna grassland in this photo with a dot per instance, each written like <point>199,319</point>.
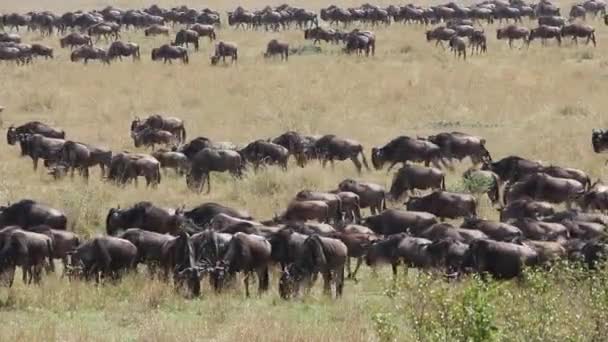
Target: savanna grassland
<point>539,103</point>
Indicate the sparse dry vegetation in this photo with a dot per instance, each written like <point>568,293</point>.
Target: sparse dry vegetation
<point>539,103</point>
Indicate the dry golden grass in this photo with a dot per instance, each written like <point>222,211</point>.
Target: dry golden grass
<point>539,103</point>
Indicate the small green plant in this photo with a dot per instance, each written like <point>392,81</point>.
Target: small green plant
<point>385,327</point>
<point>477,312</point>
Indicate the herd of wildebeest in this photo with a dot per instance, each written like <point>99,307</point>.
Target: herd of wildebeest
<point>455,24</point>
<point>546,212</point>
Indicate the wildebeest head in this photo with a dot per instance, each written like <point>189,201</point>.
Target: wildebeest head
<point>154,54</point>
<point>289,282</point>
<point>11,136</point>
<point>377,159</point>
<point>218,275</point>
<point>114,221</point>
<point>189,280</point>
<point>415,204</point>
<point>214,60</point>
<point>599,140</point>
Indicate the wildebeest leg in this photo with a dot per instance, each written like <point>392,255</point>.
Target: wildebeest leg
<point>263,280</point>
<point>339,281</point>
<point>208,182</point>
<point>35,159</point>
<point>510,43</point>
<point>394,266</point>
<point>359,262</point>
<point>357,163</point>
<point>349,276</point>
<point>391,166</point>
<point>327,282</point>
<point>246,281</point>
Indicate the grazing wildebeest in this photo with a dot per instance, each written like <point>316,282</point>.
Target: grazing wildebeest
<point>185,37</point>
<point>89,52</point>
<point>146,216</point>
<point>245,253</point>
<point>371,195</point>
<point>295,145</point>
<point>502,260</point>
<point>458,46</point>
<point>599,140</point>
<point>596,198</point>
<point>64,242</point>
<point>125,167</point>
<point>412,177</point>
<point>173,160</point>
<point>440,34</point>
<point>157,29</point>
<point>121,49</point>
<point>319,255</point>
<point>543,187</point>
<point>351,205</point>
<point>498,231</point>
<point>223,50</point>
<point>333,201</point>
<point>525,208</point>
<point>104,257</point>
<point>75,39</point>
<point>330,148</point>
<point>28,213</point>
<point>265,153</point>
<point>149,246</point>
<point>148,137</point>
<point>13,54</point>
<point>159,122</point>
<point>204,31</point>
<point>403,149</point>
<point>513,32</point>
<point>546,32</point>
<point>209,160</point>
<point>275,47</point>
<point>26,249</point>
<point>167,53</point>
<point>445,204</point>
<point>81,156</point>
<point>579,30</point>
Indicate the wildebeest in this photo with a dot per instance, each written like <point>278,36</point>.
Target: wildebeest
<point>546,32</point>
<point>26,249</point>
<point>502,260</point>
<point>319,255</point>
<point>156,29</point>
<point>167,53</point>
<point>204,31</point>
<point>317,34</point>
<point>579,30</point>
<point>458,46</point>
<point>159,122</point>
<point>75,39</point>
<point>543,187</point>
<point>306,210</point>
<point>82,156</point>
<point>148,137</point>
<point>360,42</point>
<point>403,149</point>
<point>212,160</point>
<point>125,167</point>
<point>104,257</point>
<point>37,147</point>
<point>498,231</point>
<point>144,215</point>
<point>86,53</point>
<point>185,37</point>
<point>262,152</point>
<point>331,147</point>
<point>295,145</point>
<point>172,160</point>
<point>478,42</point>
<point>440,34</point>
<point>28,213</point>
<point>513,32</point>
<point>412,177</point>
<point>540,230</point>
<point>121,49</point>
<point>445,204</point>
<point>203,214</point>
<point>525,208</point>
<point>149,246</point>
<point>394,221</point>
<point>245,253</point>
<point>599,140</point>
<point>371,195</point>
<point>223,50</point>
<point>333,201</point>
<point>275,47</point>
<point>33,127</point>
<point>512,168</point>
<point>42,51</point>
<point>552,20</point>
<point>457,145</point>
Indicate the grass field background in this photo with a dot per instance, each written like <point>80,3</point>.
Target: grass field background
<point>539,103</point>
